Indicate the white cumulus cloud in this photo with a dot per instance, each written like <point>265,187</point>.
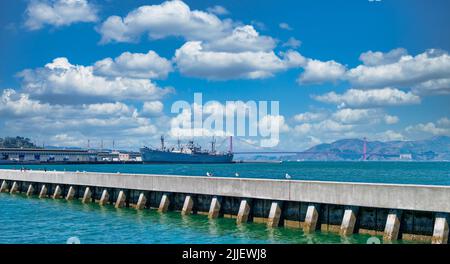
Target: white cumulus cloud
<point>61,78</point>
<point>152,108</point>
<point>316,71</point>
<point>292,43</point>
<point>109,109</point>
<point>435,86</point>
<point>426,73</point>
<point>171,18</point>
<point>244,38</point>
<point>344,123</point>
<point>218,10</point>
<point>389,135</point>
<point>445,122</point>
<point>406,71</point>
<point>309,116</point>
<point>58,13</point>
<point>135,65</point>
<point>369,98</point>
<point>363,116</point>
<point>350,116</point>
<point>371,58</point>
<point>430,128</point>
<point>389,119</point>
<point>285,26</point>
<point>193,60</point>
<point>13,104</point>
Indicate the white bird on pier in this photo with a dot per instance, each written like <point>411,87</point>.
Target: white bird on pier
<point>288,176</point>
<point>209,174</point>
<point>236,174</point>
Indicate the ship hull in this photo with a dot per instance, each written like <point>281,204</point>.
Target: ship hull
<point>156,156</point>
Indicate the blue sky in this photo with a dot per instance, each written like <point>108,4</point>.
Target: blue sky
<point>352,68</point>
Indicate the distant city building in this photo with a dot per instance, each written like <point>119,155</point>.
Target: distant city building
<point>46,155</point>
<point>119,156</point>
<point>129,156</point>
<point>405,156</point>
<point>124,156</point>
<point>25,155</point>
<point>108,156</point>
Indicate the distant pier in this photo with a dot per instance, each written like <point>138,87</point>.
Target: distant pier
<point>26,163</point>
<point>394,211</point>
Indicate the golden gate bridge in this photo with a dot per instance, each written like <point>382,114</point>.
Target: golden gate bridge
<point>264,151</point>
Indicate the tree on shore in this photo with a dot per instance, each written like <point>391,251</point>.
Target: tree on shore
<point>16,142</point>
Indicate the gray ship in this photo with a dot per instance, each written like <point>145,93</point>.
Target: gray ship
<point>190,153</point>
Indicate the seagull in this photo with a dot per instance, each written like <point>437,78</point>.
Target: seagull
<point>288,176</point>
<point>209,174</point>
<point>236,174</point>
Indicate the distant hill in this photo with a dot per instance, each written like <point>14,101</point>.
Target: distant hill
<point>433,149</point>
<point>16,142</point>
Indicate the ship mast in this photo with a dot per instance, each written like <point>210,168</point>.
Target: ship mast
<point>213,144</point>
<point>162,143</point>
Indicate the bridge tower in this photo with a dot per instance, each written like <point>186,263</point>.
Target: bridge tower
<point>365,149</point>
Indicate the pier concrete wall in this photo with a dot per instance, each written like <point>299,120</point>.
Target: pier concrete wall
<point>394,196</point>
<point>370,204</point>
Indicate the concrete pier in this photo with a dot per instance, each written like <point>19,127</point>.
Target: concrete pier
<point>141,202</point>
<point>188,205</point>
<point>87,195</point>
<point>348,222</point>
<point>214,208</point>
<point>104,199</point>
<point>274,215</point>
<point>244,211</point>
<point>311,219</point>
<point>121,198</point>
<point>43,192</point>
<point>14,188</point>
<point>396,211</point>
<point>30,190</point>
<point>392,196</point>
<point>392,227</point>
<point>440,232</point>
<point>164,204</point>
<point>70,193</point>
<point>4,187</point>
<point>57,193</point>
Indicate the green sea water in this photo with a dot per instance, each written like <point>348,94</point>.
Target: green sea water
<point>41,221</point>
<point>33,220</point>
